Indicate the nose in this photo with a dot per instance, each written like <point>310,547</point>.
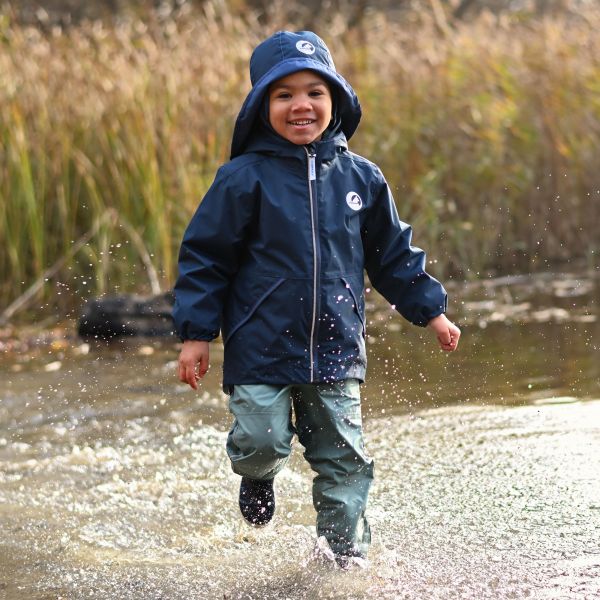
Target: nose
<point>301,103</point>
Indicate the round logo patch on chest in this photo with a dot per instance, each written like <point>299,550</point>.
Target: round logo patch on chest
<point>305,47</point>
<point>353,200</point>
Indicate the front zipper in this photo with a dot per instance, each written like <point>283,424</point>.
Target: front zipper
<point>312,177</point>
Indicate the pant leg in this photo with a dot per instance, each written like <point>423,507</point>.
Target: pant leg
<point>329,426</point>
<point>259,443</point>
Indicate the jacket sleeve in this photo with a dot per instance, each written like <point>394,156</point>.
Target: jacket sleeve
<point>209,258</point>
<point>395,267</point>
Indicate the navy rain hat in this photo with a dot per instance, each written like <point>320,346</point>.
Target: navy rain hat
<point>280,55</point>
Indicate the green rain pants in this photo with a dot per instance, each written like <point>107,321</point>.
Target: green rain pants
<point>329,426</point>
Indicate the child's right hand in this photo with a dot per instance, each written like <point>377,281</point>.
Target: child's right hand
<point>193,362</point>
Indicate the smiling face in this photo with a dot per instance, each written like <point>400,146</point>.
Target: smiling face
<point>300,107</point>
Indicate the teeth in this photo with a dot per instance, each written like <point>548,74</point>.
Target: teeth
<point>306,122</point>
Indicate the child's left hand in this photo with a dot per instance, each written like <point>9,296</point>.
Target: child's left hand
<point>447,332</point>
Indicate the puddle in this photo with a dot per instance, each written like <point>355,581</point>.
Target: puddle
<point>114,481</point>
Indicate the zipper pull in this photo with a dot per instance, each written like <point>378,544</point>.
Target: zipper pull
<point>312,167</point>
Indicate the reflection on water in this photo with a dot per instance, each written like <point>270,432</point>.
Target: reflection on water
<point>114,481</point>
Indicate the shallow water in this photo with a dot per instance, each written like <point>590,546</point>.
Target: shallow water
<point>114,481</point>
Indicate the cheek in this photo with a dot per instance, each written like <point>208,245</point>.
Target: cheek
<point>274,117</point>
<point>328,112</point>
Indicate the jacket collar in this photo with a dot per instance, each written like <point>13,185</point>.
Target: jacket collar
<point>274,145</point>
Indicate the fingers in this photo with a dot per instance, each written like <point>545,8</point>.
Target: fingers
<point>190,376</point>
<point>187,373</point>
<point>202,366</point>
<point>444,337</point>
<point>449,346</point>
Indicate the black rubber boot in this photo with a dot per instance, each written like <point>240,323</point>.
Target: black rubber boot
<point>257,500</point>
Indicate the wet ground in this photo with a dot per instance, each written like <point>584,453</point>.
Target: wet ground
<point>114,481</point>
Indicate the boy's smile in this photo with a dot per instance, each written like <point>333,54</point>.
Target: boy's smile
<point>300,107</point>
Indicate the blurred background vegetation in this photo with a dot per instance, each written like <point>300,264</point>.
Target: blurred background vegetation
<point>115,114</point>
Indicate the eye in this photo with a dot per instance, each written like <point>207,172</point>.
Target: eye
<point>282,95</point>
<point>319,92</point>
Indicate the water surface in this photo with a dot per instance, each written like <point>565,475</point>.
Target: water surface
<point>114,481</point>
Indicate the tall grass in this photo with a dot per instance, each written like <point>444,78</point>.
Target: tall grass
<point>488,136</point>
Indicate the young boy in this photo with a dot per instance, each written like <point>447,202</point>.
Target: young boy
<point>274,260</point>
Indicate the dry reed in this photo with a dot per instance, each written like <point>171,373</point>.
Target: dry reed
<point>487,134</point>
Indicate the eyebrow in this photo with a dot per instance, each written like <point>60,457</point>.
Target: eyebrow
<point>277,86</point>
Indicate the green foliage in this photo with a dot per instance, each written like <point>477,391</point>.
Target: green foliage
<point>487,135</point>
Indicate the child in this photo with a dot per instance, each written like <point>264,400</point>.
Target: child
<point>274,259</point>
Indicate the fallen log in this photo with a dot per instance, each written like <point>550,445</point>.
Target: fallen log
<point>127,315</point>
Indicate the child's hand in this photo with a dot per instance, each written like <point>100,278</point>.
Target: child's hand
<point>447,332</point>
<point>193,362</point>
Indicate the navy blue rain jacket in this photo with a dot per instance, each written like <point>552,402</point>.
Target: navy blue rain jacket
<point>274,257</point>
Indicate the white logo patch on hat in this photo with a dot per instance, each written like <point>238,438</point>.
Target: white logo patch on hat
<point>305,47</point>
<point>353,200</point>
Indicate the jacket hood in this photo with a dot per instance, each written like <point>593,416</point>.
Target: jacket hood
<point>280,55</point>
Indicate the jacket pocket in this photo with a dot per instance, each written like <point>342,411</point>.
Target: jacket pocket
<point>358,301</point>
<point>251,309</point>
